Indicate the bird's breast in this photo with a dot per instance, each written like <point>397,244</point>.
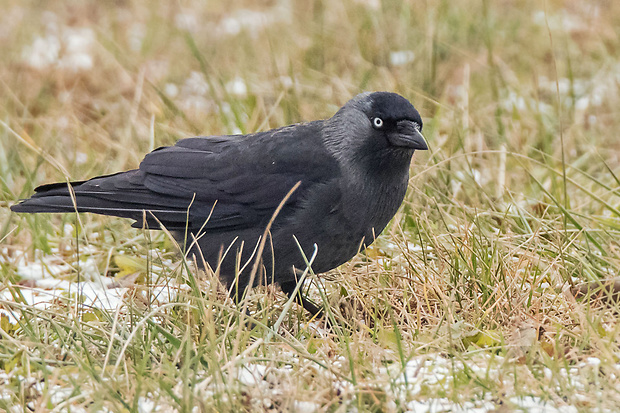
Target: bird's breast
<point>340,218</point>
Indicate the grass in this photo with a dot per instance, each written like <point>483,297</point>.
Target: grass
<point>487,290</point>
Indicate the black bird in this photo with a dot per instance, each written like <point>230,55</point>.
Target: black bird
<point>222,191</point>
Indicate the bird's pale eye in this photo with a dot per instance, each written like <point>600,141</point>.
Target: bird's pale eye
<point>377,123</point>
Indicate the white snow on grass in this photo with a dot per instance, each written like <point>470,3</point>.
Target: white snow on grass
<point>68,48</point>
<point>413,387</point>
<point>251,374</point>
<point>401,57</point>
<point>410,388</point>
<point>253,21</point>
<point>49,279</point>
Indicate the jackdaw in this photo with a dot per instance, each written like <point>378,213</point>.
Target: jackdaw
<point>218,194</point>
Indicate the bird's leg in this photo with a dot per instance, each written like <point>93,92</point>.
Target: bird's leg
<point>309,306</point>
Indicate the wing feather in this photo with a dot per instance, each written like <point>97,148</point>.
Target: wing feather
<point>235,181</point>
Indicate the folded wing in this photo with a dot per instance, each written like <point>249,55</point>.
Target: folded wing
<point>219,183</point>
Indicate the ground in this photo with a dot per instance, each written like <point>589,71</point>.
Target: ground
<point>493,289</point>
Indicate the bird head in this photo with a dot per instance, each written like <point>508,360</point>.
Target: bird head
<point>376,124</point>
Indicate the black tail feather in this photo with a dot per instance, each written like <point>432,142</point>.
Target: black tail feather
<point>121,195</point>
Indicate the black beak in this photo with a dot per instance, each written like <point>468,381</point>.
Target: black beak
<point>408,135</point>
